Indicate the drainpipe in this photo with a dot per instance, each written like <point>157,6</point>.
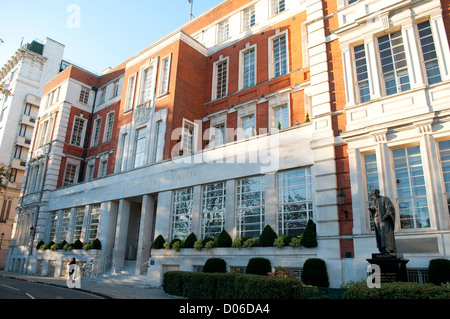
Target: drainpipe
<point>86,137</point>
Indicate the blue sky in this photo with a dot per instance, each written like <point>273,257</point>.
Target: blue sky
<point>103,34</point>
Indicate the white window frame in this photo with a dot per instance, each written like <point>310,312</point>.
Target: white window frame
<point>271,55</point>
<point>277,7</point>
<point>304,205</point>
<point>94,220</point>
<point>109,127</point>
<point>223,31</point>
<point>186,204</point>
<point>84,95</point>
<point>240,207</point>
<point>195,143</point>
<point>159,141</point>
<point>216,213</point>
<point>242,53</point>
<point>215,81</point>
<point>248,15</point>
<point>115,88</point>
<point>131,91</point>
<point>102,98</point>
<point>164,75</point>
<point>75,177</point>
<point>136,141</point>
<point>274,123</point>
<point>83,132</point>
<point>96,132</point>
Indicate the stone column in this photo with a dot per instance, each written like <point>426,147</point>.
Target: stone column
<point>121,234</point>
<point>145,233</point>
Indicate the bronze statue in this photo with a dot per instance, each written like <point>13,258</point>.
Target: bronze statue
<point>383,214</point>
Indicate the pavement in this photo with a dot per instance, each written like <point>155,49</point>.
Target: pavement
<point>109,288</point>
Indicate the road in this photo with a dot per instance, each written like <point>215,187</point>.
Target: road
<point>19,289</point>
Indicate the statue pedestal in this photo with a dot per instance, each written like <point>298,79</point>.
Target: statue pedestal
<point>392,266</point>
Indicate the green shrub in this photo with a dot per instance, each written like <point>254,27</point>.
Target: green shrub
<point>227,286</point>
<point>173,241</point>
<point>267,237</point>
<point>288,239</point>
<point>224,239</point>
<point>258,266</point>
<point>77,244</point>
<point>198,245</point>
<point>315,273</point>
<point>309,239</point>
<point>279,242</point>
<point>96,244</point>
<point>40,244</point>
<point>190,241</point>
<point>399,290</point>
<point>87,246</point>
<point>250,242</point>
<point>207,239</point>
<point>159,242</point>
<point>237,243</point>
<point>215,265</point>
<point>439,271</point>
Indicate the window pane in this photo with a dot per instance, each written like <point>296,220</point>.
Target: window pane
<point>295,205</point>
<point>182,213</point>
<point>429,53</point>
<point>213,209</point>
<point>250,213</point>
<point>411,188</point>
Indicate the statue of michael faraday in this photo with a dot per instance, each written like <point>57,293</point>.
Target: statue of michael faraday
<point>383,214</point>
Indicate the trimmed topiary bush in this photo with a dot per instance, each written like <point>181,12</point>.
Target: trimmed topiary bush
<point>315,273</point>
<point>39,244</point>
<point>190,241</point>
<point>159,242</point>
<point>439,271</point>
<point>258,266</point>
<point>96,244</point>
<point>77,244</point>
<point>267,237</point>
<point>309,235</point>
<point>224,239</point>
<point>213,265</point>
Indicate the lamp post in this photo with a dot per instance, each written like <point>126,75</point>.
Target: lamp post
<point>341,200</point>
<point>1,239</point>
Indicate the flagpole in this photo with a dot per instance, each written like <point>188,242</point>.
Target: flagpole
<point>192,4</point>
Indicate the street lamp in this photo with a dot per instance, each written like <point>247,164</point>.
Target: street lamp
<point>1,239</point>
<point>341,200</point>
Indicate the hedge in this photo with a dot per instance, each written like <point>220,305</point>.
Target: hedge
<point>194,285</point>
<point>399,290</point>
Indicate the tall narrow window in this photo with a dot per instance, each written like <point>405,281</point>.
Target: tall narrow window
<point>223,31</point>
<point>249,68</point>
<point>93,222</point>
<point>411,189</point>
<point>295,206</point>
<point>103,167</point>
<point>250,212</point>
<point>115,89</point>
<point>444,151</point>
<point>130,92</point>
<point>182,213</point>
<point>221,79</point>
<point>249,17</point>
<point>219,135</point>
<point>96,133</point>
<point>51,227</point>
<point>213,210</point>
<point>64,225</point>
<point>429,53</point>
<point>188,138</point>
<point>102,96</point>
<point>78,227</point>
<point>159,148</point>
<point>109,126</point>
<point>147,85</point>
<point>84,95</point>
<point>280,56</point>
<point>393,63</point>
<point>164,76</point>
<point>362,77</point>
<point>371,172</point>
<point>78,132</point>
<point>139,154</point>
<point>248,126</point>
